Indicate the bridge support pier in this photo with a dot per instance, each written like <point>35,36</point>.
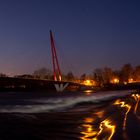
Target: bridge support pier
<point>60,87</point>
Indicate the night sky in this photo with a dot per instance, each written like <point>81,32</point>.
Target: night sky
<point>88,34</point>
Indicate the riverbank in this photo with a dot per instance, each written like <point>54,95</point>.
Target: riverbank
<point>9,84</point>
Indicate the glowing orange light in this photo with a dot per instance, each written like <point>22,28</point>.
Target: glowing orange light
<point>137,98</point>
<point>87,82</point>
<point>88,92</point>
<point>123,105</point>
<point>89,120</point>
<point>88,130</point>
<point>125,83</point>
<point>106,125</point>
<point>100,114</point>
<point>60,78</point>
<point>130,80</point>
<point>115,81</point>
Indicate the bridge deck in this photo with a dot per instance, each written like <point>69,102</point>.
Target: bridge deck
<point>9,83</point>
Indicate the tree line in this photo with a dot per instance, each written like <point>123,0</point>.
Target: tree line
<point>127,73</point>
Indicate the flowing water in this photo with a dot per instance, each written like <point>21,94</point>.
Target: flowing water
<point>70,115</point>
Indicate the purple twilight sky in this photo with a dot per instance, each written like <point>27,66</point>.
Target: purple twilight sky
<point>88,34</point>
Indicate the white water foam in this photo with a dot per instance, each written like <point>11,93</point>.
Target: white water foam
<point>54,104</point>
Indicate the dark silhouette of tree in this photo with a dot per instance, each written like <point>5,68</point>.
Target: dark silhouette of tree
<point>98,76</point>
<point>137,73</point>
<point>26,76</point>
<point>126,73</point>
<point>43,73</point>
<point>3,75</point>
<point>83,77</point>
<point>107,75</point>
<point>70,76</point>
<point>117,74</point>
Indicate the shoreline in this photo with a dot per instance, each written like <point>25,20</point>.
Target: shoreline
<point>9,84</point>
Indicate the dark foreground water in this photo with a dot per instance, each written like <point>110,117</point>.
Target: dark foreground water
<point>70,116</point>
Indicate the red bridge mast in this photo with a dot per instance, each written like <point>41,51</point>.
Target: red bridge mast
<point>56,68</point>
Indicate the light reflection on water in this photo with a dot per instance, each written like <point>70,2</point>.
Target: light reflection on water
<point>94,131</point>
<point>123,104</point>
<point>88,132</point>
<point>88,92</point>
<point>106,127</point>
<point>137,99</point>
<point>87,129</point>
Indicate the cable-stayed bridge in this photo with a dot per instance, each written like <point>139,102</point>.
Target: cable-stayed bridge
<point>58,84</point>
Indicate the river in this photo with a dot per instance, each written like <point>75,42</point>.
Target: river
<point>84,115</point>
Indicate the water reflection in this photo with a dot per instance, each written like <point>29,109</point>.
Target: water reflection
<point>100,114</point>
<point>137,99</point>
<point>107,127</point>
<point>101,126</point>
<point>93,130</point>
<point>88,92</point>
<point>87,129</point>
<point>122,104</point>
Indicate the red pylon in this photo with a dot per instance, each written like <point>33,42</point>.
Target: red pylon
<point>56,67</point>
